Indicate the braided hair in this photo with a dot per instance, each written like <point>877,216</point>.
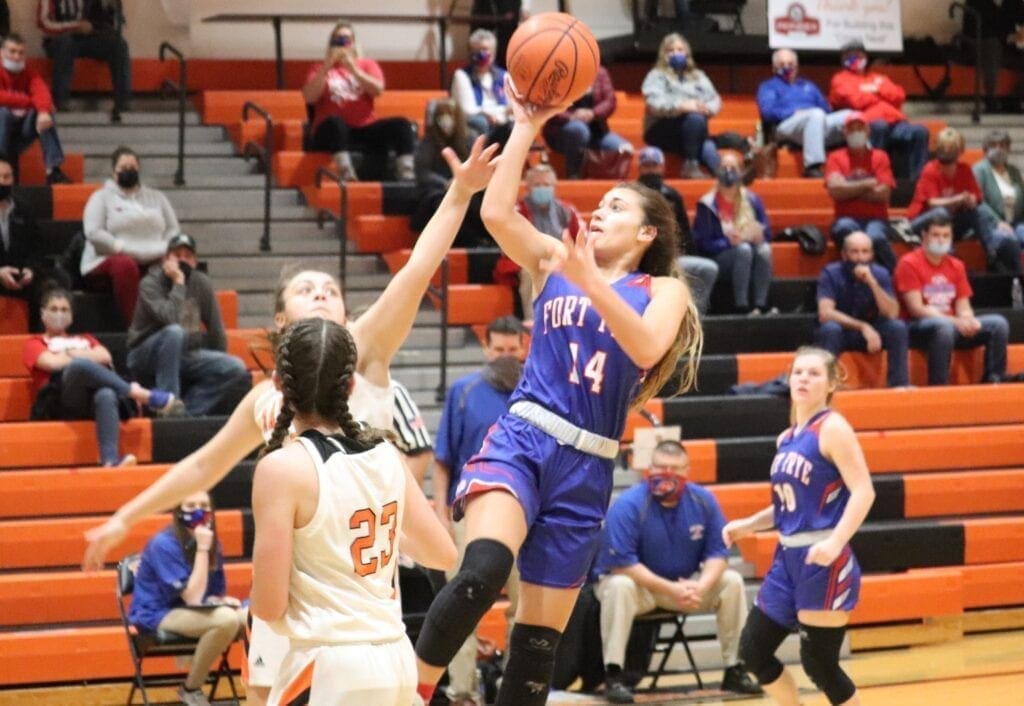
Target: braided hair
<point>316,361</point>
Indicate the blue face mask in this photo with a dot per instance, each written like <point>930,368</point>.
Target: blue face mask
<point>729,177</point>
<point>678,60</point>
<point>193,518</point>
<point>787,73</point>
<point>665,487</point>
<point>342,41</point>
<point>481,57</point>
<point>938,249</point>
<point>542,195</point>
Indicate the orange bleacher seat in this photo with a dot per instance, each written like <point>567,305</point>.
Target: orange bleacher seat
<point>476,303</point>
<point>13,316</point>
<point>364,198</point>
<point>69,200</point>
<point>67,443</point>
<point>295,169</point>
<point>963,493</point>
<point>15,399</point>
<point>32,170</point>
<point>35,492</point>
<point>919,593</point>
<point>225,107</point>
<point>381,234</point>
<point>227,299</point>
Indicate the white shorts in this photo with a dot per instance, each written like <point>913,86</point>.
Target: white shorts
<point>267,650</point>
<point>342,675</point>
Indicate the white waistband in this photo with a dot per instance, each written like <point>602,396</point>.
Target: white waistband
<point>803,539</point>
<point>565,433</point>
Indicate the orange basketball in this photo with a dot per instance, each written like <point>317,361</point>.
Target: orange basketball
<point>552,59</point>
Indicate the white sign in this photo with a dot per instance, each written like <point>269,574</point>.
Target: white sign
<point>829,24</point>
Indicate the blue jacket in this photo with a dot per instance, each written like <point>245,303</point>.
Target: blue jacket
<point>708,237</point>
<point>777,99</point>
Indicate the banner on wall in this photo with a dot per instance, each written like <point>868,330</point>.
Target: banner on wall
<point>829,24</point>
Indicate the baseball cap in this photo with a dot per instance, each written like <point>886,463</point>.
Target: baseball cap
<point>854,117</point>
<point>651,156</point>
<point>852,46</point>
<point>182,240</point>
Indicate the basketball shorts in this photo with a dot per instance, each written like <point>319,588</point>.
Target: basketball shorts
<point>792,585</point>
<point>564,493</point>
<point>267,650</point>
<point>342,675</point>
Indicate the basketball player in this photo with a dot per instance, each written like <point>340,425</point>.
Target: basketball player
<point>378,335</point>
<point>611,320</point>
<point>821,493</point>
<point>332,512</point>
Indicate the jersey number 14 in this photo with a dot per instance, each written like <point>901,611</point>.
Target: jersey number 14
<point>593,370</point>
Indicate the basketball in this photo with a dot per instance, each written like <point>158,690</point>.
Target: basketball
<point>552,59</point>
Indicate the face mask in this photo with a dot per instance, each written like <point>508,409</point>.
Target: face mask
<point>342,41</point>
<point>481,57</point>
<point>728,177</point>
<point>651,181</point>
<point>5,191</point>
<point>56,320</point>
<point>997,156</point>
<point>128,178</point>
<point>192,518</point>
<point>186,269</point>
<point>503,373</point>
<point>542,195</point>
<point>856,62</point>
<point>786,73</point>
<point>939,249</point>
<point>14,67</point>
<point>857,140</point>
<point>678,60</point>
<point>446,124</point>
<point>665,487</point>
<point>946,157</point>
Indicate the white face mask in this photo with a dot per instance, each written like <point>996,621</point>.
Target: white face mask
<point>56,320</point>
<point>856,140</point>
<point>14,67</point>
<point>446,124</point>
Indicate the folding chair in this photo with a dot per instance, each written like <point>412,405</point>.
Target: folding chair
<point>159,644</point>
<point>663,645</point>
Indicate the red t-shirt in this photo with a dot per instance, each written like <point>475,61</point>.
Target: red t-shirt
<point>36,345</point>
<point>344,97</point>
<point>934,185</point>
<point>726,209</point>
<point>940,285</point>
<point>860,165</point>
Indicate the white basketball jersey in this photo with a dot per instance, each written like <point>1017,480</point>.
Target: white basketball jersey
<point>344,562</point>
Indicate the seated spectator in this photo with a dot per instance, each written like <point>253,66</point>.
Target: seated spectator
<point>548,215</point>
<point>479,90</point>
<point>662,547</point>
<point>86,30</point>
<point>26,111</point>
<point>859,180</point>
<point>180,587</point>
<point>679,99</point>
<point>1002,189</point>
<point>731,227</point>
<point>75,370</point>
<point>881,100</point>
<point>584,125</point>
<point>127,226</point>
<point>858,311</point>
<point>177,338</point>
<point>701,272</point>
<point>936,296</point>
<point>794,110</point>
<point>342,90</point>
<point>947,185</point>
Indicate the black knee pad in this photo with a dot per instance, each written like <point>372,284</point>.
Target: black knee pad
<point>759,640</point>
<point>531,661</point>
<point>459,606</point>
<point>819,654</point>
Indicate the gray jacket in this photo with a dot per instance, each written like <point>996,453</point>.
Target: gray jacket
<point>664,91</point>
<point>162,302</point>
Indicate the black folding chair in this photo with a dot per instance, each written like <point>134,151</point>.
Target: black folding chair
<point>663,645</point>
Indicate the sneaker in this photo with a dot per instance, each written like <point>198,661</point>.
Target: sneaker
<point>127,460</point>
<point>618,693</point>
<point>813,171</point>
<point>691,170</point>
<point>57,177</point>
<point>192,698</point>
<point>161,401</point>
<point>737,680</point>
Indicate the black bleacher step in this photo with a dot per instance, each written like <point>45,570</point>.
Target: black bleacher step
<point>174,438</point>
<point>234,491</point>
<point>755,334</point>
<point>37,200</point>
<point>745,460</point>
<point>55,236</point>
<point>908,544</point>
<point>95,313</point>
<point>398,198</point>
<point>890,498</point>
<point>727,417</point>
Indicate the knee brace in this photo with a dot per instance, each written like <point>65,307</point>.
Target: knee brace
<point>760,638</point>
<point>459,606</point>
<point>819,654</point>
<point>531,661</point>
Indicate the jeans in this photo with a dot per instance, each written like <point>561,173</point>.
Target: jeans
<point>701,274</point>
<point>814,130</point>
<point>685,134</point>
<point>198,377</point>
<point>1003,250</point>
<point>89,390</point>
<point>749,268</point>
<point>906,142</point>
<point>574,137</point>
<point>893,332</point>
<point>876,230</point>
<point>497,134</point>
<point>107,47</point>
<point>939,337</point>
<point>18,133</point>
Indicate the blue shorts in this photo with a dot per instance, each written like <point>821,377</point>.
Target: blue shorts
<point>791,585</point>
<point>564,493</point>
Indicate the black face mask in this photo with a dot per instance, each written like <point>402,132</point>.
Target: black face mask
<point>5,191</point>
<point>128,178</point>
<point>186,269</point>
<point>651,181</point>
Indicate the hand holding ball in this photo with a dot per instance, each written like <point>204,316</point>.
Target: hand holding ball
<point>552,60</point>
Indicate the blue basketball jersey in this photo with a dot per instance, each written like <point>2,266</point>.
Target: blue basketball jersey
<point>575,368</point>
<point>807,491</point>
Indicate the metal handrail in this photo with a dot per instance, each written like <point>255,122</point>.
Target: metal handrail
<point>340,221</point>
<point>181,88</point>
<point>267,152</point>
<point>965,10</point>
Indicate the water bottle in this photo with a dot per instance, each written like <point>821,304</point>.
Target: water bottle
<point>1016,295</point>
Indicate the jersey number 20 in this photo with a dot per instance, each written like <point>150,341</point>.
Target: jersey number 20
<point>367,519</point>
<point>787,498</point>
<point>594,369</point>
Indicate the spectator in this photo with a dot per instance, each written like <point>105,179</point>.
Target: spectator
<point>1002,189</point>
<point>731,227</point>
<point>479,90</point>
<point>89,29</point>
<point>584,125</point>
<point>679,99</point>
<point>947,184</point>
<point>511,12</point>
<point>412,437</point>
<point>342,90</point>
<point>127,227</point>
<point>858,310</point>
<point>1002,30</point>
<point>701,272</point>
<point>662,548</point>
<point>471,407</point>
<point>180,587</point>
<point>75,370</point>
<point>794,110</point>
<point>881,100</point>
<point>936,299</point>
<point>165,341</point>
<point>26,111</point>
<point>859,179</point>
